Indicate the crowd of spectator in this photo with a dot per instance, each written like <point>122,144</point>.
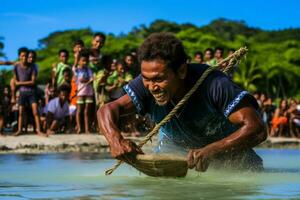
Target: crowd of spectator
<point>74,91</point>
<point>282,120</point>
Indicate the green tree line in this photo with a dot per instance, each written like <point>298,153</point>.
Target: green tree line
<point>272,64</point>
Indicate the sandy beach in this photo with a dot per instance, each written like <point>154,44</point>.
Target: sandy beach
<point>93,143</point>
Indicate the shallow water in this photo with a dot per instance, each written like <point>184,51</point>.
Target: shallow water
<point>81,176</point>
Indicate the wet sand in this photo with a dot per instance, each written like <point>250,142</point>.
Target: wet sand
<point>93,143</point>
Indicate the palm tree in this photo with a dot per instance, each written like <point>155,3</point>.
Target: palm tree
<point>247,74</point>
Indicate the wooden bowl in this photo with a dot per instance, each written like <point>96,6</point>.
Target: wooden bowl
<point>161,165</point>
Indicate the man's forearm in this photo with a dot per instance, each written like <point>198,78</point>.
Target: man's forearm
<point>244,138</point>
<point>107,119</point>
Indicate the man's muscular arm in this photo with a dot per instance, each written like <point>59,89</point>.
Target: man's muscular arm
<point>250,134</point>
<point>108,118</point>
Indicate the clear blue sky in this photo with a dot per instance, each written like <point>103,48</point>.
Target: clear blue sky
<point>23,23</point>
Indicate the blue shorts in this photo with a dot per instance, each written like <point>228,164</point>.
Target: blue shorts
<point>27,98</point>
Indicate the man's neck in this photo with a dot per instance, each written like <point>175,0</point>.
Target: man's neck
<point>181,92</point>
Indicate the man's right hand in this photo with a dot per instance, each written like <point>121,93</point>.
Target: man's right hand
<point>125,150</point>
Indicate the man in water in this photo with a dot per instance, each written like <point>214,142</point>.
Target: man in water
<point>217,126</point>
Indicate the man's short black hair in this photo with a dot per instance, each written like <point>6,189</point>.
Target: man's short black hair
<point>164,46</point>
<point>33,52</point>
<point>78,42</point>
<point>63,88</point>
<point>22,49</point>
<point>101,35</point>
<point>63,51</point>
<point>84,53</point>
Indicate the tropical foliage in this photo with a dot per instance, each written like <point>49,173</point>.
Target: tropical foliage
<point>272,64</point>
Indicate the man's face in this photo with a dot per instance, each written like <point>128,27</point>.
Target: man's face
<point>31,58</point>
<point>63,57</point>
<point>160,80</point>
<point>98,42</point>
<point>23,57</point>
<point>208,55</point>
<point>63,96</point>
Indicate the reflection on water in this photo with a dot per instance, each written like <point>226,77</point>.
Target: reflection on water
<point>81,176</point>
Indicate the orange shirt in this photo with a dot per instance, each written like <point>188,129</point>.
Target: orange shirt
<point>73,94</point>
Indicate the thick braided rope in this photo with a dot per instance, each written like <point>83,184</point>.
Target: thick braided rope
<point>233,59</point>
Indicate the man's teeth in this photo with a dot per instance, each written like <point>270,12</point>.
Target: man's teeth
<point>159,95</point>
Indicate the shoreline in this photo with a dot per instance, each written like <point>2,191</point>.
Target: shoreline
<point>94,143</point>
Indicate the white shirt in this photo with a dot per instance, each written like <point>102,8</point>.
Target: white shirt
<point>55,108</point>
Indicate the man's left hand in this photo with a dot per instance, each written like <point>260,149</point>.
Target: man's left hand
<point>199,159</point>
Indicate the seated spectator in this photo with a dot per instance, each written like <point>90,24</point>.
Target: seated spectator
<point>294,112</point>
<point>57,116</point>
<point>280,120</point>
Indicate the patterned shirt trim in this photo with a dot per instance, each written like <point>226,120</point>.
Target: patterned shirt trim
<point>133,97</point>
<point>234,102</point>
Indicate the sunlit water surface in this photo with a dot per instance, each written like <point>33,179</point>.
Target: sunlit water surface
<point>81,176</point>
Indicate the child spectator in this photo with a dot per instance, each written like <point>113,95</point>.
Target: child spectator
<point>198,57</point>
<point>77,47</point>
<point>58,112</point>
<point>24,78</point>
<point>67,77</point>
<point>57,75</point>
<point>85,93</point>
<point>208,57</point>
<point>98,42</point>
<point>130,65</point>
